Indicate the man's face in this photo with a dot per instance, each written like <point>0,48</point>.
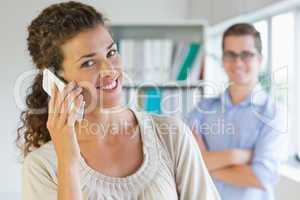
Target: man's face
<point>241,59</point>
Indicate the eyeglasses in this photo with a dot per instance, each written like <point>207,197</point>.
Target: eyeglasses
<point>245,56</point>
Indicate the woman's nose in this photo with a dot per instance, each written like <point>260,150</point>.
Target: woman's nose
<point>107,70</point>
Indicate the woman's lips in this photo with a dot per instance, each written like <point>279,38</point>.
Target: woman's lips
<point>109,86</point>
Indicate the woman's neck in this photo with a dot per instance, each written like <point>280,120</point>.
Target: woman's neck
<point>107,125</point>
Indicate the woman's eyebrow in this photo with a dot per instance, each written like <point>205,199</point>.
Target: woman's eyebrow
<point>93,54</point>
<point>112,44</point>
<point>86,56</point>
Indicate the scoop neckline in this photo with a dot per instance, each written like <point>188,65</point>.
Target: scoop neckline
<point>139,173</point>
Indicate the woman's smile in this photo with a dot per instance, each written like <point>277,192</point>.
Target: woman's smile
<point>109,85</point>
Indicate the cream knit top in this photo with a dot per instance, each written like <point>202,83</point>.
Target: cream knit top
<point>172,168</point>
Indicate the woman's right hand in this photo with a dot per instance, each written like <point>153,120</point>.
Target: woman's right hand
<point>61,122</point>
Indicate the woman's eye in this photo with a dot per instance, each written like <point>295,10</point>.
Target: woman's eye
<point>88,63</point>
<point>112,53</point>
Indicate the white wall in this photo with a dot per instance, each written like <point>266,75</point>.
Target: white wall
<point>216,11</point>
<point>287,189</point>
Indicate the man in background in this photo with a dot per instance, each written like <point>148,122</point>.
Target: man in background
<point>240,132</point>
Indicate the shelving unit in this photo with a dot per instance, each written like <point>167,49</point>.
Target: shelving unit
<point>153,88</point>
<point>167,85</point>
<point>177,31</point>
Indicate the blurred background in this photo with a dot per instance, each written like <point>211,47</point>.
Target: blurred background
<point>178,44</point>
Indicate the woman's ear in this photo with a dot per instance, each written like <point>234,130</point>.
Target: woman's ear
<point>60,73</point>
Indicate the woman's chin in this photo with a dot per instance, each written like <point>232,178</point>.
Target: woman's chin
<point>111,103</point>
<point>110,97</point>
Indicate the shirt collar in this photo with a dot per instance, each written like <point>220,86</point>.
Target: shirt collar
<point>257,97</point>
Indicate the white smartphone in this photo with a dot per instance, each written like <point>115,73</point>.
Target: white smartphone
<point>48,78</point>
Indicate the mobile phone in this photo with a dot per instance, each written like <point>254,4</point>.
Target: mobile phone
<point>48,78</point>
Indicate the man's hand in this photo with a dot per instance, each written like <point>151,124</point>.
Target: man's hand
<point>241,156</point>
<point>222,159</point>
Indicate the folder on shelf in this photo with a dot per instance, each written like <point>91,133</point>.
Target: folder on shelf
<point>152,100</point>
<point>188,61</point>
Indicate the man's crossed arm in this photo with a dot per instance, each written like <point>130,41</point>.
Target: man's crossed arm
<point>232,166</point>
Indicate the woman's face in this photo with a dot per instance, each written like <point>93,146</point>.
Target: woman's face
<point>92,60</point>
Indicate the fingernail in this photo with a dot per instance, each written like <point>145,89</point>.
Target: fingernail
<point>82,105</point>
<point>72,83</point>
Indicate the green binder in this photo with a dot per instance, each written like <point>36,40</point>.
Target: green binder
<point>188,62</point>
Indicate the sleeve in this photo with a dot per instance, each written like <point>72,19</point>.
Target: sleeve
<point>192,178</point>
<point>36,181</point>
<point>193,119</point>
<point>269,151</point>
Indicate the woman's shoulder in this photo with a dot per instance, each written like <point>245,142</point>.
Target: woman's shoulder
<point>173,125</point>
<point>45,151</point>
<point>39,172</point>
<point>172,132</point>
<point>41,160</point>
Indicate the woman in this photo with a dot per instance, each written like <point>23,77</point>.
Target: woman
<point>133,155</point>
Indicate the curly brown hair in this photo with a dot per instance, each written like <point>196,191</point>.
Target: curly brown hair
<point>54,26</point>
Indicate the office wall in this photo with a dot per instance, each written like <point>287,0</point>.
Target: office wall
<point>216,11</point>
<point>287,189</point>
